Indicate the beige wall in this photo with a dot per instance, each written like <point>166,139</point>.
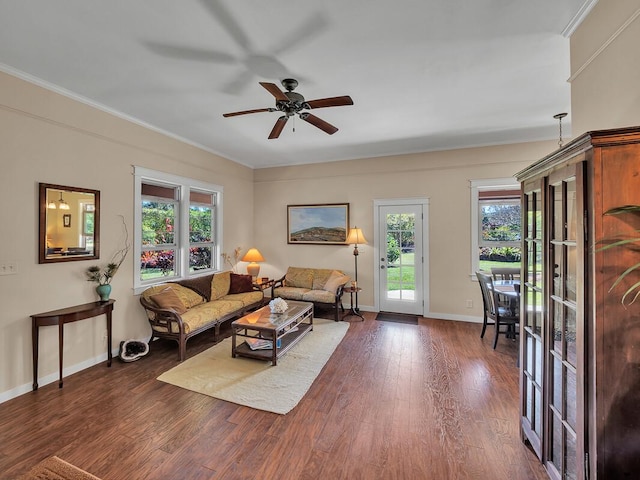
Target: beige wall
<point>442,177</point>
<point>46,137</point>
<point>605,70</point>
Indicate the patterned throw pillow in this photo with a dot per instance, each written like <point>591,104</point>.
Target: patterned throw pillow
<point>220,285</point>
<point>168,299</point>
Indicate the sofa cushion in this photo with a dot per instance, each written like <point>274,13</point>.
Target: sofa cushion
<point>320,277</point>
<point>168,299</point>
<point>220,285</point>
<point>321,296</point>
<point>196,317</point>
<point>247,298</point>
<point>240,283</point>
<point>291,293</point>
<point>299,277</point>
<point>335,280</point>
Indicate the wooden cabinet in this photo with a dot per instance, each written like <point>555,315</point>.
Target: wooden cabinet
<point>580,345</point>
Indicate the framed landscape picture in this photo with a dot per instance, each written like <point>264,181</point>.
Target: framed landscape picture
<point>324,224</point>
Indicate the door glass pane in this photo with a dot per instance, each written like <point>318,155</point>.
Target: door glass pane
<point>401,261</point>
<point>537,426</point>
<point>538,265</point>
<point>538,315</point>
<point>556,321</point>
<point>538,215</point>
<point>557,270</point>
<point>531,263</point>
<point>529,403</point>
<point>570,277</point>
<point>558,223</point>
<point>556,456</point>
<point>570,335</point>
<point>571,460</point>
<point>572,220</point>
<point>556,375</point>
<point>538,359</point>
<point>571,397</point>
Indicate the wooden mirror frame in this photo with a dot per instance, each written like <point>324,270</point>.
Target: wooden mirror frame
<point>43,255</point>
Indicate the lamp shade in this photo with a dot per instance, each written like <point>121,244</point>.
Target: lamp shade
<point>253,256</point>
<point>356,237</point>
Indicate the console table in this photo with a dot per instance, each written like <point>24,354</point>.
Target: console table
<point>68,315</point>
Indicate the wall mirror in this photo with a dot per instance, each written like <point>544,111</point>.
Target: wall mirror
<point>69,223</point>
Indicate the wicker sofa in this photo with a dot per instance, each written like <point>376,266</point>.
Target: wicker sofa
<point>322,286</point>
<point>179,310</point>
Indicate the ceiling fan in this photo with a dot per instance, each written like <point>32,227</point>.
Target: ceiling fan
<point>292,103</point>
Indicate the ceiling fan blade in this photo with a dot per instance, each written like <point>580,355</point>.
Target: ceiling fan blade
<point>330,102</point>
<point>318,122</point>
<point>277,128</point>
<point>228,22</point>
<point>190,53</point>
<point>244,112</point>
<point>273,89</point>
<point>303,32</point>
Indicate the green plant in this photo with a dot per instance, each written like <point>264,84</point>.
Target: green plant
<point>621,242</point>
<point>393,250</point>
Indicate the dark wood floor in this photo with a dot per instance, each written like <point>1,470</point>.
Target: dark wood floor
<point>395,401</point>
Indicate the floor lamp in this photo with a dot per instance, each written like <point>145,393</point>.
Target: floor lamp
<point>355,238</point>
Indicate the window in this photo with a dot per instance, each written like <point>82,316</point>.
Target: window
<point>177,227</point>
<point>88,222</point>
<point>495,224</point>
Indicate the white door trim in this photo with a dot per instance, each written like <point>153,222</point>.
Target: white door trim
<point>377,241</point>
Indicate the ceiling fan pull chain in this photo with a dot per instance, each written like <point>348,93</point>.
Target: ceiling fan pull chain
<point>294,124</point>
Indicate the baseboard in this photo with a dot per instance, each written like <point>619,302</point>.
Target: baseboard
<point>54,376</point>
<point>457,318</point>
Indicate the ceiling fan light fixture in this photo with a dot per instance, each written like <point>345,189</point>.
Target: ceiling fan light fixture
<point>291,103</point>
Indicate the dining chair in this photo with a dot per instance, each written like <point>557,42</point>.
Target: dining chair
<point>505,273</point>
<point>495,312</point>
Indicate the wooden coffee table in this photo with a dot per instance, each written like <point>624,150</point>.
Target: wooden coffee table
<point>284,330</point>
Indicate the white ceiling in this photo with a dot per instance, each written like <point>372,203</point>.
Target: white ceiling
<point>424,75</point>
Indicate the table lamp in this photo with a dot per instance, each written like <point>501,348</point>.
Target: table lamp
<point>253,256</point>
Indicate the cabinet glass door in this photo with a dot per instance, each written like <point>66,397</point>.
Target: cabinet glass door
<point>532,290</point>
<point>562,360</point>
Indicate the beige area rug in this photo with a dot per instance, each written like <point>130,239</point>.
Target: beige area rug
<point>256,383</point>
<point>54,468</point>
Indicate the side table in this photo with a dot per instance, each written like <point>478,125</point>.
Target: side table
<point>354,311</point>
<point>264,284</point>
<point>68,315</point>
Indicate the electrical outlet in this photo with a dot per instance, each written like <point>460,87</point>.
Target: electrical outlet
<point>469,303</point>
<point>105,336</point>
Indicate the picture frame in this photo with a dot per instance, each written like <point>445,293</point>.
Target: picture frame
<point>66,220</point>
<point>318,224</point>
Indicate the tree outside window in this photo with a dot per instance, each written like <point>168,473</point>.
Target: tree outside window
<point>499,242</point>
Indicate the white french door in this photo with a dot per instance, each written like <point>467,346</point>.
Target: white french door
<point>401,265</point>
